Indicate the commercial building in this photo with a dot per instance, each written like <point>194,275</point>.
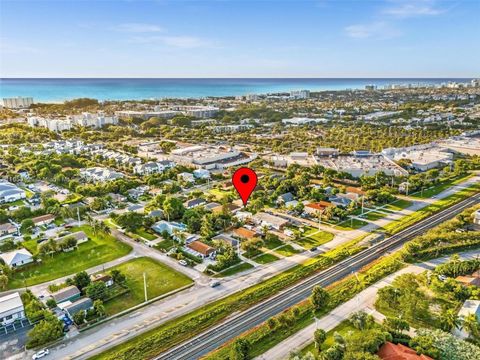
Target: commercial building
<point>11,309</point>
<point>422,157</point>
<point>10,192</point>
<point>210,157</point>
<point>197,111</point>
<point>17,102</point>
<point>362,164</point>
<point>303,121</point>
<point>161,114</point>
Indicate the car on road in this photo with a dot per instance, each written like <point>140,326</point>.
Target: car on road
<point>214,283</point>
<point>183,263</point>
<point>313,249</point>
<point>40,354</point>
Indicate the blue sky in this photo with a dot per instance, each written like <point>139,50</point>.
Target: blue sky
<point>238,38</point>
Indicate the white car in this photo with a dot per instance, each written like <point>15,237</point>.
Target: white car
<point>183,263</point>
<point>40,354</point>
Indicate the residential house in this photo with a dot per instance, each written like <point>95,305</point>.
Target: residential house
<point>212,205</point>
<point>7,230</point>
<point>83,304</point>
<point>80,236</point>
<point>153,167</point>
<point>107,279</point>
<point>271,221</point>
<point>98,174</point>
<point>69,293</point>
<point>340,200</point>
<point>317,208</point>
<point>232,208</point>
<point>188,177</point>
<point>17,258</point>
<point>226,239</point>
<point>469,307</point>
<point>476,217</point>
<point>169,227</point>
<point>11,309</point>
<point>391,351</point>
<point>190,204</point>
<point>201,249</point>
<point>201,174</point>
<point>244,233</point>
<point>10,192</point>
<point>243,215</point>
<point>469,280</point>
<point>158,213</point>
<point>43,220</point>
<point>285,198</point>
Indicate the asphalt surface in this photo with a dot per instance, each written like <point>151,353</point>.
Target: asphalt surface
<point>235,326</point>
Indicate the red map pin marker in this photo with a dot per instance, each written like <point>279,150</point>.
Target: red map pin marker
<point>244,180</point>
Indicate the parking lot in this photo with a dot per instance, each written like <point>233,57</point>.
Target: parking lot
<point>13,339</point>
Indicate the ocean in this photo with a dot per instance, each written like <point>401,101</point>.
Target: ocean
<point>61,89</point>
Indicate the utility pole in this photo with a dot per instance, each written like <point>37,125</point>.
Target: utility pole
<point>145,285</point>
<point>406,193</point>
<point>363,197</point>
<point>78,215</point>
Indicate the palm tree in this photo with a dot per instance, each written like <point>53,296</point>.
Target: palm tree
<point>449,320</point>
<point>472,326</point>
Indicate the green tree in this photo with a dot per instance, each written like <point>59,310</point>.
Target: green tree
<point>319,297</point>
<point>319,337</point>
<point>240,350</point>
<point>79,317</point>
<point>47,330</point>
<point>81,280</point>
<point>97,290</point>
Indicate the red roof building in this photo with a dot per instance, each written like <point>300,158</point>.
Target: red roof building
<point>391,351</point>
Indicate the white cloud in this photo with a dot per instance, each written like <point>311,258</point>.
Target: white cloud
<point>184,42</point>
<point>379,30</point>
<point>407,9</point>
<point>138,28</point>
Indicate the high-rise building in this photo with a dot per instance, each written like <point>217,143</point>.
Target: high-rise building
<point>17,102</point>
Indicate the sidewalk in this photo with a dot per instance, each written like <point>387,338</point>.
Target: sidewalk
<point>363,301</point>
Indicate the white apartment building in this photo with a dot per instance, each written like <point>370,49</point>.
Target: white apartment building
<point>303,121</point>
<point>17,102</point>
<point>85,119</point>
<point>10,192</point>
<point>226,129</point>
<point>300,94</point>
<point>96,174</point>
<point>197,111</point>
<point>153,167</point>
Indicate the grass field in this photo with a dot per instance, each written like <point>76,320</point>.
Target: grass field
<point>287,250</point>
<point>397,205</point>
<point>350,224</point>
<point>165,245</point>
<point>437,189</point>
<point>272,244</point>
<point>265,259</point>
<point>161,279</point>
<point>314,237</point>
<point>218,193</point>
<point>235,269</point>
<point>145,234</point>
<point>100,249</point>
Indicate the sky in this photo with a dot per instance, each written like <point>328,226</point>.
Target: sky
<point>239,38</point>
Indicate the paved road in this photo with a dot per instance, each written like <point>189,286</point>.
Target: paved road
<point>363,301</point>
<point>218,335</point>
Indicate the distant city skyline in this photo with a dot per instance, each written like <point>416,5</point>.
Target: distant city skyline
<point>236,39</point>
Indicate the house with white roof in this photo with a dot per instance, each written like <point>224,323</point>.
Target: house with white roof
<point>17,258</point>
<point>11,309</point>
<point>10,192</point>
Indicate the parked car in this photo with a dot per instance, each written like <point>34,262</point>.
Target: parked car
<point>40,354</point>
<point>183,263</point>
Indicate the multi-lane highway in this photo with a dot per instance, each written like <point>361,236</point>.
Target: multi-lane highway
<point>229,329</point>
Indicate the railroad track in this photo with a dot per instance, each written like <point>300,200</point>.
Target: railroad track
<point>218,335</point>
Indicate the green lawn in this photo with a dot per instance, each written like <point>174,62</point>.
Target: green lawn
<point>374,215</point>
<point>265,259</point>
<point>398,205</point>
<point>165,245</point>
<point>161,279</point>
<point>314,237</point>
<point>437,189</point>
<point>100,249</point>
<point>273,243</point>
<point>350,224</point>
<point>287,250</point>
<point>235,269</point>
<point>145,234</point>
<point>218,193</point>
